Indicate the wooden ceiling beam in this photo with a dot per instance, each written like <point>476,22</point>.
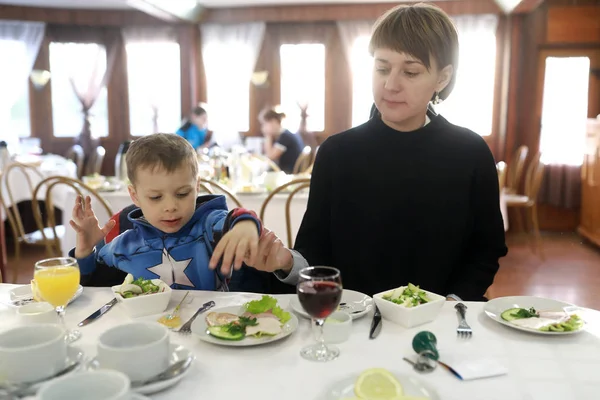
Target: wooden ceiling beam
<point>168,11</point>
<point>518,6</point>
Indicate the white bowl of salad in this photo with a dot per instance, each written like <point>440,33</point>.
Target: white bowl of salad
<point>142,297</point>
<point>409,305</point>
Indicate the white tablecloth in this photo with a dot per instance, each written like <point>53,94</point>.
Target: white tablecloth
<point>540,368</point>
<point>274,214</point>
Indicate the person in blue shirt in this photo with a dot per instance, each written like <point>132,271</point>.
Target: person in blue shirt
<point>195,129</point>
<point>281,145</point>
<point>174,231</point>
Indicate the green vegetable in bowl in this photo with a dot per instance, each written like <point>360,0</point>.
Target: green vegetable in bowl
<point>140,286</point>
<point>409,296</point>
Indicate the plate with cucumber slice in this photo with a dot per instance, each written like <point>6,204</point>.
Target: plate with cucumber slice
<point>536,315</point>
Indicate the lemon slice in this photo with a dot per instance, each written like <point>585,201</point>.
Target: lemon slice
<point>35,292</point>
<point>377,384</point>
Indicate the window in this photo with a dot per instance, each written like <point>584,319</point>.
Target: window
<point>471,103</point>
<point>81,65</point>
<point>362,84</point>
<point>14,102</point>
<point>303,81</point>
<point>154,81</point>
<point>228,88</point>
<point>564,110</point>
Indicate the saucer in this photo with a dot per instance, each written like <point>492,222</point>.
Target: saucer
<point>74,354</point>
<point>178,353</point>
<point>22,295</point>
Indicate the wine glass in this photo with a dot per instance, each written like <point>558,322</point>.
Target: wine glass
<point>57,280</point>
<point>319,292</point>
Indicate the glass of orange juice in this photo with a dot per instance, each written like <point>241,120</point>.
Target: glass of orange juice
<point>57,280</point>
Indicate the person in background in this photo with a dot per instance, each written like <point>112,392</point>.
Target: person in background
<point>441,228</point>
<point>195,130</point>
<point>281,145</point>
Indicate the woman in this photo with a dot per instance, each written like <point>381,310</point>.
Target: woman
<point>425,207</point>
<point>281,146</point>
<point>195,129</point>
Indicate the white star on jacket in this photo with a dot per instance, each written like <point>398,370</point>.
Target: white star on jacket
<point>172,271</point>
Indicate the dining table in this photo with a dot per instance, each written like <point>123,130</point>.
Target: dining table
<point>538,367</point>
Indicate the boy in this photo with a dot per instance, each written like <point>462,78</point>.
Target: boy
<point>442,229</point>
<point>174,231</point>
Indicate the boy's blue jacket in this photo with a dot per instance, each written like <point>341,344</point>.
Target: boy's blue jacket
<point>179,259</point>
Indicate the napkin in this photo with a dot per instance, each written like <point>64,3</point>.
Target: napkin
<point>473,367</point>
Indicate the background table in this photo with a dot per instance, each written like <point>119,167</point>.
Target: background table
<point>540,367</point>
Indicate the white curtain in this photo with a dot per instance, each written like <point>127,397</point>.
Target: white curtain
<point>154,79</point>
<point>355,37</point>
<point>471,103</point>
<point>230,52</point>
<point>19,45</point>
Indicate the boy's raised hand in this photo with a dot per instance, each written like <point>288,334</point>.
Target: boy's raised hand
<point>236,246</point>
<point>86,225</point>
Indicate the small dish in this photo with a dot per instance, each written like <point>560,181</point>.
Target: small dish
<point>148,304</point>
<point>410,316</point>
<point>177,353</point>
<point>22,295</point>
<point>355,303</point>
<point>337,327</point>
<point>37,313</point>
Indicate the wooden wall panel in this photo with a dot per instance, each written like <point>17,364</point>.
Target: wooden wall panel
<point>577,25</point>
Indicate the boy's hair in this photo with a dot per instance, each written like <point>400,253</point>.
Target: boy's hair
<point>270,114</point>
<point>421,30</point>
<point>160,150</point>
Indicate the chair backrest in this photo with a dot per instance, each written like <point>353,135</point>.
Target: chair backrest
<point>12,211</point>
<point>304,161</point>
<point>50,183</point>
<point>94,164</point>
<point>501,169</point>
<point>533,177</point>
<point>515,168</point>
<point>210,187</point>
<point>294,186</point>
<point>77,155</point>
<point>272,164</point>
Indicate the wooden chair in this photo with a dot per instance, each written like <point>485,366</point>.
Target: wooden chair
<point>528,201</point>
<point>13,214</point>
<point>94,164</point>
<point>53,241</point>
<point>501,169</point>
<point>294,186</point>
<point>304,161</point>
<point>210,186</point>
<point>77,155</point>
<point>515,170</point>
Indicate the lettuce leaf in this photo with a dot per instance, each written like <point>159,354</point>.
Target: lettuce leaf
<point>265,304</point>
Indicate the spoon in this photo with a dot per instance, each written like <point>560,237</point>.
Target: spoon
<point>172,372</point>
<point>20,389</point>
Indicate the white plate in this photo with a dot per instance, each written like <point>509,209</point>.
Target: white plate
<point>356,304</point>
<point>74,354</point>
<point>178,353</point>
<point>199,328</point>
<point>344,388</point>
<point>494,308</point>
<point>22,295</point>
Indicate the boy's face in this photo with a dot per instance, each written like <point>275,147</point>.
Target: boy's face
<point>403,87</point>
<point>168,200</point>
<point>270,127</point>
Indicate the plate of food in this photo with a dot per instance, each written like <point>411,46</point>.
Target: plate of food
<point>536,314</point>
<point>142,297</point>
<point>25,294</point>
<point>356,304</point>
<point>254,323</point>
<point>379,383</point>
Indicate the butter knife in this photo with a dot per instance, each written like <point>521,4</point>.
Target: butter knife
<point>97,314</point>
<point>376,324</point>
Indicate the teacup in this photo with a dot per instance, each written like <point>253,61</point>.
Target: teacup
<point>37,313</point>
<point>31,353</point>
<point>89,385</point>
<point>140,349</point>
<point>337,327</point>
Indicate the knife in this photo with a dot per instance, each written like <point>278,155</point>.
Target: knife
<point>97,314</point>
<point>375,324</point>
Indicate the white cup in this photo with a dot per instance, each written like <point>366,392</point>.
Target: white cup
<point>37,313</point>
<point>31,353</point>
<point>337,327</point>
<point>140,349</point>
<point>89,385</point>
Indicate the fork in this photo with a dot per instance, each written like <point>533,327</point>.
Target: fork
<point>463,330</point>
<point>187,327</point>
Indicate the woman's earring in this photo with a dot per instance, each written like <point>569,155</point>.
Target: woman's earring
<point>436,99</point>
